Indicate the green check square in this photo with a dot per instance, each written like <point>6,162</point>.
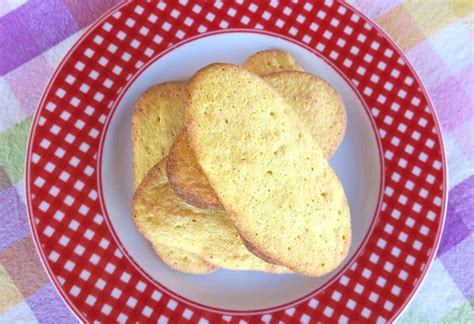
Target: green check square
<point>413,314</point>
<point>13,149</point>
<point>462,314</point>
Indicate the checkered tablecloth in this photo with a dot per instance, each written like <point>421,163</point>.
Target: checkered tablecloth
<point>437,36</point>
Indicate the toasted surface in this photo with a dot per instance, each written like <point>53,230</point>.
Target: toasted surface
<point>183,261</point>
<point>158,117</point>
<point>186,177</point>
<point>317,104</point>
<point>271,61</point>
<point>268,173</point>
<point>163,218</point>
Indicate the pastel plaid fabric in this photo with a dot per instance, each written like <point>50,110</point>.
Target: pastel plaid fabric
<point>437,37</point>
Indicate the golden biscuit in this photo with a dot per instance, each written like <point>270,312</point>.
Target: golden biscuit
<point>157,118</point>
<point>272,179</point>
<point>186,177</point>
<point>316,103</point>
<point>271,61</point>
<point>163,218</point>
<point>183,261</point>
<point>318,107</point>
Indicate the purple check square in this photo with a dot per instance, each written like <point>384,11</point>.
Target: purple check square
<point>48,22</point>
<point>459,222</point>
<point>432,70</point>
<point>467,79</point>
<point>461,199</point>
<point>32,29</point>
<point>87,11</point>
<point>452,103</point>
<point>46,299</point>
<point>459,263</point>
<point>17,45</point>
<point>12,217</point>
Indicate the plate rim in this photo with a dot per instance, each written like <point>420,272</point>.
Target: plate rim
<point>29,147</point>
<point>254,311</point>
<point>116,7</point>
<point>444,161</point>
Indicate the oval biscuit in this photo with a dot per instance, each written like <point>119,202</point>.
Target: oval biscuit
<point>272,179</point>
<point>318,107</point>
<point>183,261</point>
<point>157,118</point>
<point>270,61</point>
<point>163,218</point>
<point>317,104</point>
<point>186,177</point>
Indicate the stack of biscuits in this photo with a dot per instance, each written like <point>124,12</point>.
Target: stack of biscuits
<point>231,169</point>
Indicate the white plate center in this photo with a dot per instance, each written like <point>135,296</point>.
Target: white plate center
<point>357,164</point>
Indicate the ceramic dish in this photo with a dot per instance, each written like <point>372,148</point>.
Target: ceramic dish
<point>79,181</point>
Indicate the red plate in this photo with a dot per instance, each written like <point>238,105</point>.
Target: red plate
<point>76,211</point>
